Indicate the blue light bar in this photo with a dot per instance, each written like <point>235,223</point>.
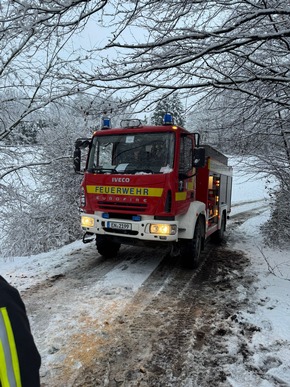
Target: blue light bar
<point>136,218</point>
<point>105,215</point>
<point>168,119</point>
<point>106,123</point>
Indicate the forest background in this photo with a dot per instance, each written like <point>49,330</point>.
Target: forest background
<point>64,64</point>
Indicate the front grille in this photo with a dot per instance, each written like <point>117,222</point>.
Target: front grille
<point>136,207</point>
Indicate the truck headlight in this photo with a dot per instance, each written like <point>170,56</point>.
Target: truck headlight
<point>163,229</point>
<point>87,221</point>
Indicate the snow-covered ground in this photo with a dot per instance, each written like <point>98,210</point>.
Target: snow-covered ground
<point>269,344</point>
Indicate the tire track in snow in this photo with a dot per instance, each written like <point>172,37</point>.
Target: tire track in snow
<point>82,301</point>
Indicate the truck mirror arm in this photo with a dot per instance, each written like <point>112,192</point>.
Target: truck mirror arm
<point>184,176</point>
<point>82,143</point>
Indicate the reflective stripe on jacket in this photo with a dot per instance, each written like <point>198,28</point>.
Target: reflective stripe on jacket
<point>9,365</point>
<point>19,358</point>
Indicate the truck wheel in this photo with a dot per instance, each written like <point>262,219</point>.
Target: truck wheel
<point>219,235</point>
<point>191,248</point>
<point>107,247</point>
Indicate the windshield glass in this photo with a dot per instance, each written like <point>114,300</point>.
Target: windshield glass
<point>132,153</point>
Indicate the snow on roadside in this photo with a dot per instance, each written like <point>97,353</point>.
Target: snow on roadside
<point>270,310</point>
<point>24,272</point>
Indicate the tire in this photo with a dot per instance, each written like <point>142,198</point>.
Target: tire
<point>106,247</point>
<point>219,235</point>
<point>191,248</point>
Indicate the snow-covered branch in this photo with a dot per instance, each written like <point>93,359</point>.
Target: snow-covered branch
<point>11,169</point>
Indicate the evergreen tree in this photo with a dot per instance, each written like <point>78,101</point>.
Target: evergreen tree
<point>171,104</point>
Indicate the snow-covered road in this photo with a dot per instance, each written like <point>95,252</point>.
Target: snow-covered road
<point>141,319</point>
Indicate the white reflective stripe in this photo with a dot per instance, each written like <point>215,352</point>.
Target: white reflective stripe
<point>9,366</point>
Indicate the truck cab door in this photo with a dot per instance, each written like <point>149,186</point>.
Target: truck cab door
<point>186,178</point>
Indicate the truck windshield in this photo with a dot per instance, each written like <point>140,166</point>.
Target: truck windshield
<point>138,153</point>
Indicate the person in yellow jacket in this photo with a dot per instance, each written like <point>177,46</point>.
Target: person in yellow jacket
<point>19,358</point>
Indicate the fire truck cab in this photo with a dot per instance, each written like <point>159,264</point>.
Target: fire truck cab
<point>149,185</point>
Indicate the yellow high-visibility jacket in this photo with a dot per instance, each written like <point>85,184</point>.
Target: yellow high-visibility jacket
<point>19,357</point>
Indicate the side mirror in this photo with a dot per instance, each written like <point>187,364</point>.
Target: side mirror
<point>77,160</point>
<point>198,158</point>
<point>81,143</point>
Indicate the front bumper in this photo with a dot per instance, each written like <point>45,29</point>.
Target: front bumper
<point>140,229</point>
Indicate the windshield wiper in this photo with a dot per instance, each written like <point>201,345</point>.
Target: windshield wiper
<point>103,170</point>
<point>133,171</point>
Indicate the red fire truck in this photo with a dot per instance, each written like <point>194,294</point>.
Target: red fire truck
<point>149,185</point>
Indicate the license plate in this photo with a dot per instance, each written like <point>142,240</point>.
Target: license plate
<point>120,225</point>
